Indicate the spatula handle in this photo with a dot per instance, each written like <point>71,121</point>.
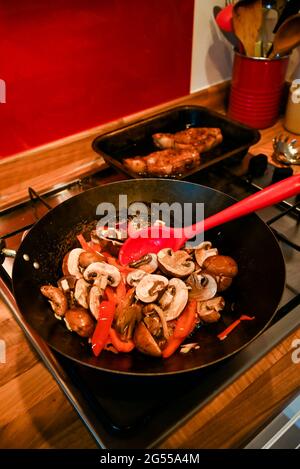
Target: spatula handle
<point>269,196</point>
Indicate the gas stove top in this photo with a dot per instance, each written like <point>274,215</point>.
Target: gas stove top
<point>139,416</point>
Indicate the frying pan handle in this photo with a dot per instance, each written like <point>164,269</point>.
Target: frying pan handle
<point>269,196</point>
<point>4,252</point>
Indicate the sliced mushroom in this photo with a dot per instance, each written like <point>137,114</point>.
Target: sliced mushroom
<point>147,263</point>
<point>67,283</point>
<point>153,323</point>
<point>57,300</point>
<point>203,251</point>
<point>108,240</point>
<point>80,321</point>
<point>202,287</point>
<point>177,289</point>
<point>151,320</point>
<point>223,268</point>
<point>168,296</point>
<point>70,264</point>
<point>87,258</point>
<point>149,287</point>
<point>134,277</point>
<point>94,301</point>
<point>145,342</point>
<point>175,263</point>
<point>209,311</point>
<point>96,270</point>
<point>82,292</point>
<point>127,315</point>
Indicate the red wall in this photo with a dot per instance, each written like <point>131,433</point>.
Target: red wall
<point>73,64</point>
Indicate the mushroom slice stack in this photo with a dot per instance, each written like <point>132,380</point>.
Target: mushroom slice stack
<point>148,263</point>
<point>174,299</point>
<point>202,287</point>
<point>203,251</point>
<point>150,286</point>
<point>222,268</point>
<point>98,271</point>
<point>209,311</point>
<point>175,263</point>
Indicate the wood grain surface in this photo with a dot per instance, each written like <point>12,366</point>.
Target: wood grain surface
<point>34,413</point>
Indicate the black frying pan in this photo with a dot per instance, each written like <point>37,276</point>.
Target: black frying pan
<point>256,290</point>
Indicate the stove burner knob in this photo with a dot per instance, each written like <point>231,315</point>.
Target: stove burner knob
<point>281,173</point>
<point>258,165</point>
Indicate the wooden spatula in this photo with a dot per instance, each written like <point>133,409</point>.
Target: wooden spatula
<point>247,18</point>
<point>287,37</point>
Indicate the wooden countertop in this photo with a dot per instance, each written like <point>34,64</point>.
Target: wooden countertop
<point>34,413</point>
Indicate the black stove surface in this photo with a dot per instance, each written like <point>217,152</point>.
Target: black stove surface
<point>131,412</point>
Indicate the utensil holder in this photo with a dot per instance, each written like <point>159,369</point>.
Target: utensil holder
<point>256,89</point>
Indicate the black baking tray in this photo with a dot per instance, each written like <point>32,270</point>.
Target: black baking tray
<point>136,139</point>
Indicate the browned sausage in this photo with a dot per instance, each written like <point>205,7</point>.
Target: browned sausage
<point>221,265</point>
<point>80,321</point>
<point>56,298</point>
<point>223,283</point>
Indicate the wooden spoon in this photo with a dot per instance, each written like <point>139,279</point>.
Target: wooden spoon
<point>247,18</point>
<point>287,37</point>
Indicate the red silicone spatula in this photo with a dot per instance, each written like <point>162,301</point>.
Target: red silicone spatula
<point>153,239</point>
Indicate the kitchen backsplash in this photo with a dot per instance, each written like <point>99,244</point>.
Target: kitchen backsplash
<point>69,65</point>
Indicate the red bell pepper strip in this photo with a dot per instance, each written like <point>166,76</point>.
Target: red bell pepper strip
<point>122,268</point>
<point>120,345</point>
<point>184,326</point>
<point>85,245</point>
<point>96,246</point>
<point>232,326</point>
<point>105,319</point>
<point>111,295</point>
<point>121,291</point>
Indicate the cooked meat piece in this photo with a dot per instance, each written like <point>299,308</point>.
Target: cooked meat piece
<point>200,138</point>
<point>137,164</point>
<point>164,163</point>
